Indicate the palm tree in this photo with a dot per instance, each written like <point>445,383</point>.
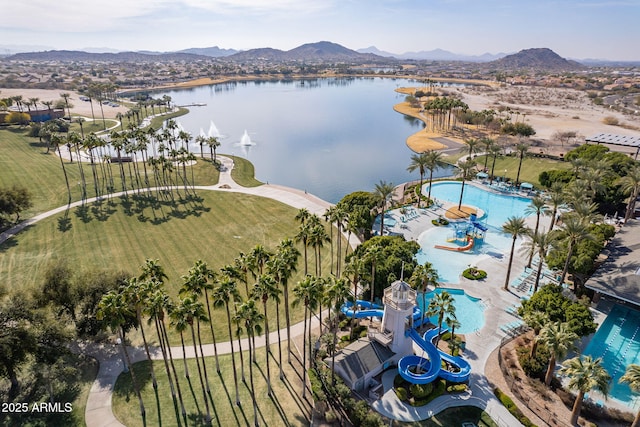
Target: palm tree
<point>137,293</point>
<point>473,145</point>
<point>373,255</point>
<point>287,256</point>
<point>56,140</point>
<point>317,238</point>
<point>114,309</point>
<point>442,304</point>
<point>423,276</point>
<point>264,289</point>
<point>556,199</point>
<point>306,292</point>
<point>536,320</point>
<point>226,292</point>
<point>465,171</point>
<point>537,207</point>
<point>197,282</point>
<point>540,243</point>
<point>339,291</point>
<point>66,97</point>
<point>630,184</point>
<point>252,319</point>
<point>494,151</point>
<point>522,152</point>
<point>419,162</point>
<point>354,270</point>
<point>383,192</point>
<point>488,143</point>
<point>303,235</point>
<point>516,228</point>
<point>574,230</point>
<point>213,144</point>
<point>585,374</point>
<point>632,377</point>
<point>559,340</point>
<point>434,159</point>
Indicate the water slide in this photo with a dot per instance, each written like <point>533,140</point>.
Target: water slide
<point>466,247</point>
<point>431,367</point>
<point>370,310</point>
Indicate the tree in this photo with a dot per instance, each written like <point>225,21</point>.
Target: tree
<point>516,228</point>
<point>66,97</point>
<point>339,291</point>
<point>374,256</point>
<point>556,200</point>
<point>537,207</point>
<point>420,163</point>
<point>632,377</point>
<point>317,238</point>
<point>434,158</point>
<point>114,309</point>
<point>585,374</point>
<point>573,230</point>
<point>465,171</point>
<point>473,145</point>
<point>522,150</point>
<point>225,293</point>
<point>559,340</point>
<point>441,305</point>
<point>14,201</point>
<point>303,233</point>
<point>536,320</point>
<point>383,192</point>
<point>265,289</point>
<point>423,276</point>
<point>494,151</point>
<point>540,243</point>
<point>213,144</point>
<point>137,294</point>
<point>630,184</point>
<point>306,292</point>
<point>252,320</point>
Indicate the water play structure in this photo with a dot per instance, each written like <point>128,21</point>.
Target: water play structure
<point>466,234</point>
<point>400,317</point>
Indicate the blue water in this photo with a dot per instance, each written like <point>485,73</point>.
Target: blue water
<point>617,341</point>
<point>497,207</point>
<point>469,310</point>
<point>327,136</point>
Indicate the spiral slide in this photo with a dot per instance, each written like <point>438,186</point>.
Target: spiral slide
<point>432,366</point>
<point>371,310</point>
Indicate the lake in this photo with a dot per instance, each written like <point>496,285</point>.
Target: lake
<point>329,137</point>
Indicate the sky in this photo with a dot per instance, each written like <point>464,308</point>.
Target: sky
<point>577,29</point>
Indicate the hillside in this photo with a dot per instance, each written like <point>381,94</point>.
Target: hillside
<point>310,52</point>
<point>76,55</point>
<point>539,59</point>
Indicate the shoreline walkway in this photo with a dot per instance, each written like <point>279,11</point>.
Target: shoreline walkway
<point>99,413</point>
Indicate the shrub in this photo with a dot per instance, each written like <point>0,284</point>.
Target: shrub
<point>446,336</point>
<point>330,417</point>
<point>512,408</point>
<point>474,274</point>
<point>610,120</point>
<point>420,391</point>
<point>402,393</point>
<point>533,367</point>
<point>457,388</point>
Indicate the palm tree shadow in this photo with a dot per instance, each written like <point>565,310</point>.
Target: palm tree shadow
<point>158,408</point>
<point>233,404</point>
<point>295,395</point>
<point>193,395</point>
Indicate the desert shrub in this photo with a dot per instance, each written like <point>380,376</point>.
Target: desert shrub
<point>513,408</point>
<point>446,336</point>
<point>457,388</point>
<point>420,391</point>
<point>402,393</point>
<point>610,120</point>
<point>534,367</point>
<point>474,274</point>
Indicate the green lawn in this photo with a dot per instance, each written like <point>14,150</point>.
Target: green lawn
<point>286,407</point>
<point>25,162</point>
<point>531,167</point>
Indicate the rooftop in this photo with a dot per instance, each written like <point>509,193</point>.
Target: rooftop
<point>619,275</point>
<point>361,357</point>
<point>608,138</point>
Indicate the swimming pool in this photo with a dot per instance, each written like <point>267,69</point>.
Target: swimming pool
<point>497,207</point>
<point>469,310</point>
<point>617,341</point>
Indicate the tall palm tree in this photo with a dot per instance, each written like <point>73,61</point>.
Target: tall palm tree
<point>374,255</point>
<point>56,141</point>
<point>537,207</point>
<point>252,321</point>
<point>423,276</point>
<point>488,143</point>
<point>434,158</point>
<point>494,151</point>
<point>556,200</point>
<point>317,238</point>
<point>213,144</point>
<point>137,294</point>
<point>442,304</point>
<point>539,244</point>
<point>225,293</point>
<point>630,184</point>
<point>383,192</point>
<point>306,292</point>
<point>354,270</point>
<point>536,320</point>
<point>303,237</point>
<point>419,162</point>
<point>522,150</point>
<point>287,256</point>
<point>473,145</point>
<point>574,230</point>
<point>585,374</point>
<point>632,377</point>
<point>339,292</point>
<point>114,309</point>
<point>199,281</point>
<point>516,228</point>
<point>265,289</point>
<point>559,340</point>
<point>465,171</point>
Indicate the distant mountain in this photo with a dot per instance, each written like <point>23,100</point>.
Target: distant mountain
<point>537,59</point>
<point>214,52</point>
<point>434,55</point>
<point>310,52</point>
<point>75,55</point>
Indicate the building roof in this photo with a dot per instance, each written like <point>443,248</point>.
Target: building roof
<point>608,138</point>
<point>619,275</point>
<point>360,357</point>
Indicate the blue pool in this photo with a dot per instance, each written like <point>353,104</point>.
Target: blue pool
<point>617,341</point>
<point>469,310</point>
<point>497,207</point>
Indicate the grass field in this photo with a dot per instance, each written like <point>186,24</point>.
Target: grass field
<point>286,407</point>
<point>454,417</point>
<point>530,171</point>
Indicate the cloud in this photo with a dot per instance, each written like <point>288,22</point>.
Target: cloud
<point>259,6</point>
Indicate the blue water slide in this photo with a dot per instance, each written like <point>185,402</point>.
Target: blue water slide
<point>370,310</point>
<point>431,366</point>
<point>464,368</point>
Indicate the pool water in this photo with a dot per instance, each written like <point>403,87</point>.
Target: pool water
<point>497,207</point>
<point>469,310</point>
<point>617,341</point>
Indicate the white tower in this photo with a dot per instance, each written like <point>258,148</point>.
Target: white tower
<point>399,302</point>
